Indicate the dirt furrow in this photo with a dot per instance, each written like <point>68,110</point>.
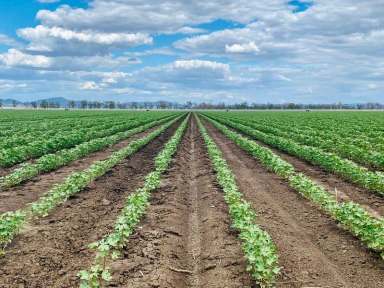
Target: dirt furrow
<point>313,250</point>
<point>194,231</point>
<point>343,189</point>
<point>50,251</point>
<point>19,196</point>
<point>185,239</point>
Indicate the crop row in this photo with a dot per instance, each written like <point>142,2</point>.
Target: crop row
<point>62,140</point>
<point>358,154</point>
<point>373,181</point>
<point>258,247</point>
<point>12,129</point>
<point>52,162</point>
<point>11,222</point>
<point>358,130</point>
<point>352,216</point>
<point>109,247</point>
<point>29,135</point>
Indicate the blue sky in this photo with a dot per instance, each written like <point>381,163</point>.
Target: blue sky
<point>273,51</point>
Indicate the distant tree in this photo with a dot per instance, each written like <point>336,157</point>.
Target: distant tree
<point>163,105</point>
<point>1,103</point>
<point>34,104</point>
<point>134,105</point>
<point>120,105</point>
<point>83,104</point>
<point>44,104</point>
<point>14,103</point>
<point>71,104</point>
<point>111,105</point>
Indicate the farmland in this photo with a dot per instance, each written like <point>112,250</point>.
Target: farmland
<point>191,199</point>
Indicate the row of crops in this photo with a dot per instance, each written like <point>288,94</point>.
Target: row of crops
<point>59,141</point>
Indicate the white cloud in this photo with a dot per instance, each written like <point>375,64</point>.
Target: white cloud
<point>190,30</point>
<point>15,57</point>
<point>8,41</point>
<point>164,15</point>
<point>330,52</point>
<point>201,64</point>
<point>61,41</point>
<point>90,85</point>
<point>10,85</point>
<point>249,47</point>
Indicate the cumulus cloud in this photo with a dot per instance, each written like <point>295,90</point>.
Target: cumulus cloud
<point>249,47</point>
<point>118,15</point>
<point>90,85</point>
<point>17,58</point>
<point>332,50</point>
<point>57,40</point>
<point>8,41</point>
<point>189,65</point>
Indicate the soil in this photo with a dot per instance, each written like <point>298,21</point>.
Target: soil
<point>185,240</point>
<point>313,250</point>
<point>344,190</point>
<point>51,251</point>
<point>19,196</point>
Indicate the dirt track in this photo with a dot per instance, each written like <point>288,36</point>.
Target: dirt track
<point>185,240</point>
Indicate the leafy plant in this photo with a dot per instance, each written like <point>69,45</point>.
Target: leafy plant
<point>258,247</point>
<point>353,217</point>
<point>11,222</point>
<point>108,248</point>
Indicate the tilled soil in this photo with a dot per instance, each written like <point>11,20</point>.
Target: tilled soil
<point>19,196</point>
<point>51,251</point>
<point>185,239</point>
<point>344,190</point>
<point>313,250</point>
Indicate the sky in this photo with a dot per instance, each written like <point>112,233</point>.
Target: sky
<point>264,51</point>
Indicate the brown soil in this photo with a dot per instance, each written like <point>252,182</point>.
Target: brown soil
<point>19,196</point>
<point>185,239</point>
<point>344,190</point>
<point>313,250</point>
<point>51,251</point>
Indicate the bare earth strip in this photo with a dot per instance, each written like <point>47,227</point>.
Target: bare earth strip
<point>185,239</point>
<point>313,250</point>
<point>51,251</point>
<point>345,190</point>
<point>17,197</point>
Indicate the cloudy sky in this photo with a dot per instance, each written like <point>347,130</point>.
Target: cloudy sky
<point>277,51</point>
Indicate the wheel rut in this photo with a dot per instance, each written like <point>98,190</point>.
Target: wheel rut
<point>313,250</point>
<point>185,239</point>
<point>194,231</point>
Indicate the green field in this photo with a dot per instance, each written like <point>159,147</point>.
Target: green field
<point>85,195</point>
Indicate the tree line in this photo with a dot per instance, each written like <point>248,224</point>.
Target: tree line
<point>85,104</point>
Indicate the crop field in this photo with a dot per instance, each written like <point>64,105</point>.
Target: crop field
<point>170,199</point>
